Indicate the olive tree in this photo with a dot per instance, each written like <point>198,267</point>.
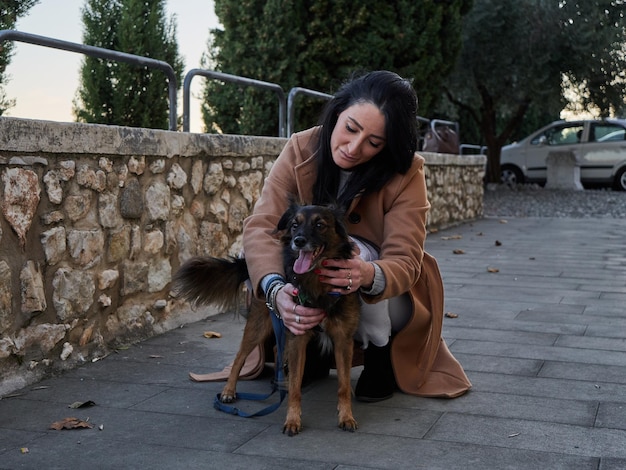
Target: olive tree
<point>520,58</point>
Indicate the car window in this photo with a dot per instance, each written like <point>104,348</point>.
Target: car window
<point>560,135</point>
<point>607,132</point>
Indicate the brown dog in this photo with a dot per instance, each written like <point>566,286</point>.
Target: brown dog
<point>310,234</point>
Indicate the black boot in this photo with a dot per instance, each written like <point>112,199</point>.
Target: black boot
<point>377,381</point>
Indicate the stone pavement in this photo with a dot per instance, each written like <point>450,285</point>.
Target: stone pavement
<point>543,341</point>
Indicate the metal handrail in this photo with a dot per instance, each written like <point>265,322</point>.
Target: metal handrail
<point>234,79</point>
<point>102,53</point>
<point>291,116</point>
<point>435,122</point>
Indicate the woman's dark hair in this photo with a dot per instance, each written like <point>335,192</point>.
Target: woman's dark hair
<point>395,98</point>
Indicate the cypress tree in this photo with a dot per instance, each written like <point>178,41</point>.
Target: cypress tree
<point>317,44</point>
<point>117,92</point>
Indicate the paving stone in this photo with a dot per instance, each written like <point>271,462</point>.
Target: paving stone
<point>543,342</point>
<point>531,435</point>
<point>584,372</point>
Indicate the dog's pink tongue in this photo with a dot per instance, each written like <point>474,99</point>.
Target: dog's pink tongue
<point>303,263</point>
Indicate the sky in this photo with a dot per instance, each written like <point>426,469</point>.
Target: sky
<point>44,80</point>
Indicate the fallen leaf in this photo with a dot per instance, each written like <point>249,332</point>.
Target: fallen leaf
<point>212,334</point>
<point>502,221</point>
<point>155,356</point>
<point>498,243</point>
<point>493,270</point>
<point>82,404</point>
<point>433,230</point>
<point>70,423</point>
<point>24,450</point>
<point>458,252</point>
<point>451,315</point>
<point>452,237</point>
<point>515,434</point>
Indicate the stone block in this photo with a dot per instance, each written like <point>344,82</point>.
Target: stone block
<point>563,171</point>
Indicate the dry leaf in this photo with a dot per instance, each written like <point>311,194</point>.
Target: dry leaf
<point>24,450</point>
<point>452,237</point>
<point>212,334</point>
<point>502,221</point>
<point>70,423</point>
<point>498,243</point>
<point>458,252</point>
<point>493,270</point>
<point>515,434</point>
<point>451,315</point>
<point>82,404</point>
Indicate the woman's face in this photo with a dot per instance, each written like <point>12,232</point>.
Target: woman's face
<point>358,135</point>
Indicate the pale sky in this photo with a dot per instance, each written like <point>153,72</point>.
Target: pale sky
<point>43,80</point>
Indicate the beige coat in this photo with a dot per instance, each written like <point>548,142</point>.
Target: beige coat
<point>394,220</point>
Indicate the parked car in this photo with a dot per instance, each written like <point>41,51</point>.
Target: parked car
<point>599,146</point>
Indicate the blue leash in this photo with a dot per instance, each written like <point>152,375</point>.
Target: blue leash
<point>279,378</point>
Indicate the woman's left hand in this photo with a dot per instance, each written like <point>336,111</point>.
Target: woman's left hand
<point>346,275</point>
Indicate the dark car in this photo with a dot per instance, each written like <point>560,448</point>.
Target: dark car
<point>599,146</point>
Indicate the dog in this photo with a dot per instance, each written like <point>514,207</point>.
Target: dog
<point>309,234</point>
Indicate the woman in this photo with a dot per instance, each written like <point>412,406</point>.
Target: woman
<point>363,157</point>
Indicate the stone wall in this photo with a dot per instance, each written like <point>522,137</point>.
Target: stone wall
<point>96,219</point>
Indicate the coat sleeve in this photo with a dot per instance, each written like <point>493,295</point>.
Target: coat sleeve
<point>405,208</point>
<point>261,245</point>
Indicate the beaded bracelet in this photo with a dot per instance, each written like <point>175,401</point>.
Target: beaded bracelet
<point>272,292</point>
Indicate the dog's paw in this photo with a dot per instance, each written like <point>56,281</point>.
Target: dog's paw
<point>228,396</point>
<point>349,424</point>
<point>291,429</point>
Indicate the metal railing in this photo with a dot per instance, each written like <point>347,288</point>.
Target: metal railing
<point>93,51</point>
<point>291,116</point>
<point>286,106</point>
<point>234,79</point>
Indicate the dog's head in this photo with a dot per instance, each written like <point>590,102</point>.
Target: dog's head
<point>313,233</point>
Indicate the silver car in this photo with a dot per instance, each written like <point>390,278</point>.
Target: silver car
<point>599,146</point>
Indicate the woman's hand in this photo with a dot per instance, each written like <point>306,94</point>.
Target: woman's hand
<point>298,318</point>
<point>346,275</point>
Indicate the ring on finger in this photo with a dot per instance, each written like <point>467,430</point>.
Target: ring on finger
<point>349,286</point>
<point>297,318</point>
<point>349,273</point>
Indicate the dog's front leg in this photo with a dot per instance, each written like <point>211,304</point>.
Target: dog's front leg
<point>296,356</point>
<point>343,358</point>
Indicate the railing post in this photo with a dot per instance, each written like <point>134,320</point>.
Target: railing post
<point>233,79</point>
<point>102,53</point>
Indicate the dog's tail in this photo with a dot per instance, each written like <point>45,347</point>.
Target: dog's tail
<point>206,280</point>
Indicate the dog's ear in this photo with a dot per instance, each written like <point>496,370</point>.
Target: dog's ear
<point>291,211</point>
<point>340,226</point>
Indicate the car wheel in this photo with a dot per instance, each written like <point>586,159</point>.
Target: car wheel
<point>511,175</point>
<point>620,180</point>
